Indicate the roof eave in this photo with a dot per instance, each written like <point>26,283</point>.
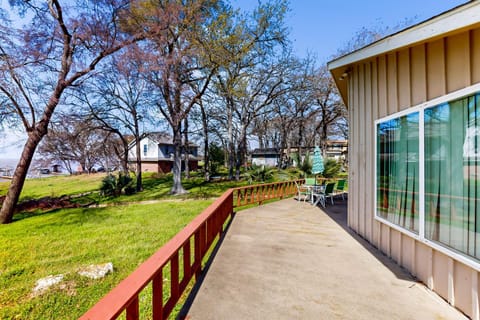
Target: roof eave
<point>457,18</point>
<point>454,20</point>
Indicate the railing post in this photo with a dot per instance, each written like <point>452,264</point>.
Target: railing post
<point>187,267</point>
<point>174,281</point>
<point>198,255</point>
<point>133,310</point>
<point>157,296</point>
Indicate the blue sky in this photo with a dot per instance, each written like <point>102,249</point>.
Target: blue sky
<point>319,27</point>
<point>323,26</point>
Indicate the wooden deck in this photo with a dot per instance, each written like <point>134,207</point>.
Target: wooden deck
<point>291,260</point>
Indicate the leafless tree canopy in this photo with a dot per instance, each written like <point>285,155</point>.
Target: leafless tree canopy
<point>200,66</point>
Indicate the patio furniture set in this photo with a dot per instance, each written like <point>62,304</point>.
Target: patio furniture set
<point>319,193</point>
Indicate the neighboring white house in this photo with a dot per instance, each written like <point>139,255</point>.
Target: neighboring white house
<point>266,157</point>
<point>157,153</point>
<point>270,157</point>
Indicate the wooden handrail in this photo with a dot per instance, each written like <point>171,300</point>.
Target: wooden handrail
<point>203,230</point>
<point>257,194</point>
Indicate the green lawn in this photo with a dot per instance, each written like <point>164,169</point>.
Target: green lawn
<point>57,186</point>
<point>61,242</point>
<point>155,188</point>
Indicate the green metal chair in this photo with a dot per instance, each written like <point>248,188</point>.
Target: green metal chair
<point>340,188</point>
<point>329,192</point>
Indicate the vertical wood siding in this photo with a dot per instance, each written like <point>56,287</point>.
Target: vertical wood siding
<point>385,85</point>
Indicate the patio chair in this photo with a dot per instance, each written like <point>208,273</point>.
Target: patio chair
<point>340,188</point>
<point>302,191</point>
<point>322,193</point>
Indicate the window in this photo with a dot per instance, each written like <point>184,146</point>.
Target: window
<point>452,174</point>
<point>397,171</point>
<point>145,150</point>
<point>438,142</point>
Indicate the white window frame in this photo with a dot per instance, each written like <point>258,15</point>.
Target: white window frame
<point>462,93</point>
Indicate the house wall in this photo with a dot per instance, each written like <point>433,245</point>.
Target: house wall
<point>149,167</point>
<point>269,161</point>
<point>387,84</point>
<point>152,149</point>
<point>165,151</point>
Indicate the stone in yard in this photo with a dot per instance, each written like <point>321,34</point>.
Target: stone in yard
<point>45,283</point>
<point>96,271</point>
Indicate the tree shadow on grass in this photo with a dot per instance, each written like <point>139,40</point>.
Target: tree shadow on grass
<point>66,216</point>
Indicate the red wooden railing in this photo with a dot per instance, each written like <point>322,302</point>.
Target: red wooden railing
<point>193,241</point>
<point>257,194</point>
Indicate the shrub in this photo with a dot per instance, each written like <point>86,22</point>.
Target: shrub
<point>332,168</point>
<point>259,174</point>
<point>113,186</point>
<point>305,166</point>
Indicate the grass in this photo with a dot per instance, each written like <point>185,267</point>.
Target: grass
<point>57,186</point>
<point>61,242</point>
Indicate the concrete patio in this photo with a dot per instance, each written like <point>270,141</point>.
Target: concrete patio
<point>291,260</point>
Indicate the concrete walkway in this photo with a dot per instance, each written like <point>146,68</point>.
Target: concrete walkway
<point>290,260</point>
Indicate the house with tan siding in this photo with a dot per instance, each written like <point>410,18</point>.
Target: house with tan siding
<point>414,150</point>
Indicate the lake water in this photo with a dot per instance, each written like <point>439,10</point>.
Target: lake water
<point>7,164</point>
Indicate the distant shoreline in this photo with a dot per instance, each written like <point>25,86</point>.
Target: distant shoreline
<point>8,163</point>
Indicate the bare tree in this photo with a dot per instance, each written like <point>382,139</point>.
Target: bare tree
<point>118,102</point>
<point>187,54</point>
<point>74,140</point>
<point>259,38</point>
<point>56,48</point>
<point>331,112</point>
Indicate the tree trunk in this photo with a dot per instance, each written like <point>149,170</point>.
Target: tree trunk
<point>138,164</point>
<point>283,158</point>
<point>138,151</point>
<point>206,152</point>
<point>125,157</point>
<point>300,136</point>
<point>177,187</point>
<point>238,164</point>
<point>241,154</point>
<point>18,179</point>
<point>261,141</point>
<point>186,149</point>
<point>323,140</point>
<point>231,146</point>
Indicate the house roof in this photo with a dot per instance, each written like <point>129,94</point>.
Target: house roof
<point>164,138</point>
<point>337,142</point>
<point>266,151</point>
<point>452,21</point>
<point>160,137</point>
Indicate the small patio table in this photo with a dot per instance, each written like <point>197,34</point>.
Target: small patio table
<point>316,191</point>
